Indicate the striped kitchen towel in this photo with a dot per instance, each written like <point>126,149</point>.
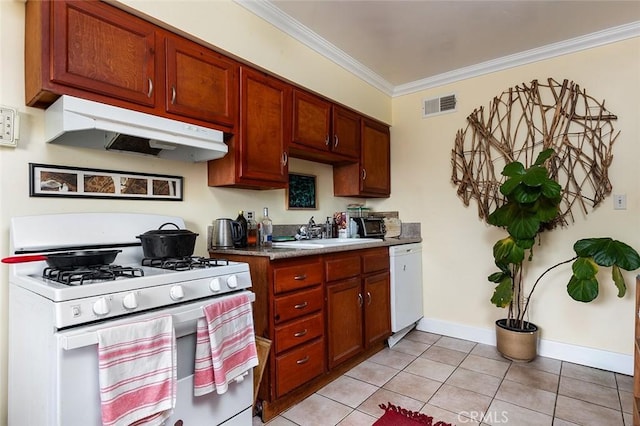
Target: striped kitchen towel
<point>226,347</point>
<point>137,372</point>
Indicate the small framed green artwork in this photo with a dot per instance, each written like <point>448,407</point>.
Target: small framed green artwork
<point>301,193</point>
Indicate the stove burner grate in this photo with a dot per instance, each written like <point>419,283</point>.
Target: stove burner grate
<point>183,263</point>
<point>87,274</point>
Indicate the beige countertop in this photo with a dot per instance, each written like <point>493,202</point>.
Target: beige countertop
<point>286,253</point>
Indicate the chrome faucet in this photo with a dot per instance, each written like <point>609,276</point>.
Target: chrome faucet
<point>309,231</point>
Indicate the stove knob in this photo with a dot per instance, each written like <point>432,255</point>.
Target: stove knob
<point>130,301</point>
<point>176,292</point>
<point>214,285</point>
<point>232,281</point>
<point>101,307</point>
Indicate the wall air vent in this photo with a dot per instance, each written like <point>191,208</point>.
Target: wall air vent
<point>438,105</point>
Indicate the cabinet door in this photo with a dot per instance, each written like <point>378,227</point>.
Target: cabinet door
<point>101,49</point>
<point>346,133</point>
<point>377,309</point>
<point>264,114</point>
<point>344,320</point>
<point>201,83</point>
<point>311,120</point>
<point>375,158</point>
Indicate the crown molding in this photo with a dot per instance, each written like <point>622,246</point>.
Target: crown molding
<point>566,47</point>
<point>270,13</point>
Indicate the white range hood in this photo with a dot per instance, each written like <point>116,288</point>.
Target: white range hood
<point>88,124</point>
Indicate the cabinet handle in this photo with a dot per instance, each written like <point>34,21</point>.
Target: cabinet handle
<point>301,333</point>
<point>150,88</point>
<point>173,95</point>
<point>335,141</point>
<point>364,173</point>
<point>303,360</point>
<point>326,140</point>
<point>285,158</point>
<point>301,305</point>
<point>360,300</point>
<point>300,277</point>
<point>368,298</point>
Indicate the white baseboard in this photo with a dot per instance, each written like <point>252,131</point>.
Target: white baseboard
<point>597,358</point>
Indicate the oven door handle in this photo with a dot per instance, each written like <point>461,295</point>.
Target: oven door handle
<point>184,322</point>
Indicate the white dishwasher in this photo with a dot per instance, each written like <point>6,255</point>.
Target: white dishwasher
<point>406,289</point>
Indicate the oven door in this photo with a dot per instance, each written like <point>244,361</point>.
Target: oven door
<point>77,390</point>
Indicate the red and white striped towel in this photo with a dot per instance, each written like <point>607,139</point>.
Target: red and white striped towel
<point>226,347</point>
<point>137,372</point>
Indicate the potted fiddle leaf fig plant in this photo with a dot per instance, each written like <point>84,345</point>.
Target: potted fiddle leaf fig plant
<point>532,201</point>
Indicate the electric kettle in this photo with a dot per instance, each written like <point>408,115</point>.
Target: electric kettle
<point>225,233</point>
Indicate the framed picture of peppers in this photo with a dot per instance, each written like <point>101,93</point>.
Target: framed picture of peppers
<point>301,192</point>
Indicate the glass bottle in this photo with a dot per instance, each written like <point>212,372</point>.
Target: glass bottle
<point>242,241</point>
<point>252,230</point>
<point>266,228</point>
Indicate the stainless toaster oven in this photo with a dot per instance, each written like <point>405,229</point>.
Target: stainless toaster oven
<point>370,227</point>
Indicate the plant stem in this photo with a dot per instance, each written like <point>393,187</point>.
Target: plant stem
<point>526,306</point>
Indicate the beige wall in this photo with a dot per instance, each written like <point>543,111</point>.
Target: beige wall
<point>457,254</point>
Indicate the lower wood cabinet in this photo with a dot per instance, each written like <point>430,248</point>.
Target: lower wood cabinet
<point>358,304</point>
<point>323,314</point>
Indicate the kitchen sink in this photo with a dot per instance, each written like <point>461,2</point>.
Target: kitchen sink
<point>324,243</point>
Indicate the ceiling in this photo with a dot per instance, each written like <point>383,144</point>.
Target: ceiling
<point>398,45</point>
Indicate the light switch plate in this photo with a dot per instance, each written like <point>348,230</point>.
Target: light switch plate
<point>9,126</point>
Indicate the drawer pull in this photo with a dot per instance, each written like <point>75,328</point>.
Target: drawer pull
<point>368,298</point>
<point>300,277</point>
<point>301,305</point>
<point>301,333</point>
<point>303,360</point>
<point>360,300</point>
<point>150,88</point>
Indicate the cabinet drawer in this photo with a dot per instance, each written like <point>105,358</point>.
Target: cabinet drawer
<point>299,366</point>
<point>375,260</point>
<point>299,331</point>
<point>295,305</point>
<point>289,278</point>
<point>345,266</point>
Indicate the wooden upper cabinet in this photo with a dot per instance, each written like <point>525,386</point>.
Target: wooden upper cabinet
<point>311,120</point>
<point>200,83</point>
<point>257,157</point>
<point>371,176</point>
<point>323,131</point>
<point>346,132</point>
<point>97,47</point>
<point>376,158</point>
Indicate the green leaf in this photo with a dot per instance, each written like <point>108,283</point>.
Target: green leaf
<point>584,268</point>
<point>582,290</point>
<point>526,194</point>
<point>544,156</point>
<point>618,280</point>
<point>552,189</point>
<point>535,176</point>
<point>513,169</point>
<point>507,251</point>
<point>503,293</point>
<point>509,185</point>
<point>608,252</point>
<point>496,277</point>
<point>523,225</point>
<point>547,210</point>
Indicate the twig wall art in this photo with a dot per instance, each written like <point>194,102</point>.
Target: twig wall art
<point>525,120</point>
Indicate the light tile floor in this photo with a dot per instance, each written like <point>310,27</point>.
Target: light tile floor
<point>466,383</point>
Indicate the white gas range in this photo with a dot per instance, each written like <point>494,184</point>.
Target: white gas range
<point>53,374</point>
